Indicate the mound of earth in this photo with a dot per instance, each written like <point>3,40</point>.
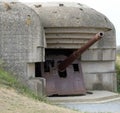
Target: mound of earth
<point>13,102</point>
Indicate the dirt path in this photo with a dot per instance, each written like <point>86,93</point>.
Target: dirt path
<point>12,102</point>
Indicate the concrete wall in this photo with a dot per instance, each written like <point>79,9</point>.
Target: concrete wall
<point>99,63</point>
<point>22,38</point>
<point>69,26</point>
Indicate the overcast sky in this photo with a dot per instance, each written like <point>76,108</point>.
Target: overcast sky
<point>110,8</point>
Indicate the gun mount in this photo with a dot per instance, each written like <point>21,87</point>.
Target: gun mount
<point>65,63</point>
<point>60,81</point>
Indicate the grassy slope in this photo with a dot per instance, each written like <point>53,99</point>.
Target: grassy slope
<point>15,98</point>
<point>118,71</point>
<point>13,102</point>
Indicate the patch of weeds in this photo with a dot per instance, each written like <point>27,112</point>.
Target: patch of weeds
<point>8,80</point>
<point>118,72</point>
<point>118,76</point>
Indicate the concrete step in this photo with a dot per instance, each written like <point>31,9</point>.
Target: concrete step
<point>96,97</point>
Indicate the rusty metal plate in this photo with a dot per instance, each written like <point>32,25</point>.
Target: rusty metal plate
<point>71,84</point>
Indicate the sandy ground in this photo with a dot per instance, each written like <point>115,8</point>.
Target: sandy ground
<point>12,102</point>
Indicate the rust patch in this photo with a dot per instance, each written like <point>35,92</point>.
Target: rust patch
<point>28,21</point>
<point>7,6</point>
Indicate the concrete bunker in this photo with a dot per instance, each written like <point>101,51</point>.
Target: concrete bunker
<point>68,26</point>
<point>33,50</point>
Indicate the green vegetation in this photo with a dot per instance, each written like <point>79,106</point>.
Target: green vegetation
<point>13,102</point>
<point>118,72</point>
<point>7,80</point>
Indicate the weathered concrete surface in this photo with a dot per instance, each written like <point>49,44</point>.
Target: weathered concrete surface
<point>70,14</point>
<point>74,23</point>
<point>107,107</point>
<point>100,81</point>
<point>96,97</point>
<point>38,86</point>
<point>69,26</point>
<point>100,101</point>
<point>22,38</point>
<point>66,26</point>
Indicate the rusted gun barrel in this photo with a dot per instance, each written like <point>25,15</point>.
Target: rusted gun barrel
<point>65,63</point>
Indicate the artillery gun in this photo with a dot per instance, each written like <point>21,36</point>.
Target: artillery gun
<point>77,53</point>
<point>63,74</point>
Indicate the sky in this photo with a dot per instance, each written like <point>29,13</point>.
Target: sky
<point>110,8</point>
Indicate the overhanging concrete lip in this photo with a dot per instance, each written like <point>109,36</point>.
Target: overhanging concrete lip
<point>70,14</point>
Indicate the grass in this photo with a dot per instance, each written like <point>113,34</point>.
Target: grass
<point>118,72</point>
<point>7,80</point>
<point>11,100</point>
